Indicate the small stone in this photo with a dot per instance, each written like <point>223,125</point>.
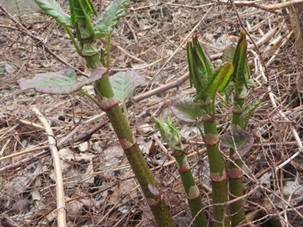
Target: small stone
<point>83,146</point>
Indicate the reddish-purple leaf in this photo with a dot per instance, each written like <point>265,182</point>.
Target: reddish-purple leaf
<point>61,82</point>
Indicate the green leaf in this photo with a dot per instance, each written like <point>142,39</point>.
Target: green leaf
<point>187,110</point>
<point>62,82</point>
<point>200,67</point>
<point>190,60</point>
<point>82,12</point>
<point>53,9</point>
<point>169,133</point>
<point>238,140</point>
<point>240,61</point>
<point>220,80</point>
<point>109,19</point>
<point>124,84</point>
<point>208,67</point>
<point>78,9</point>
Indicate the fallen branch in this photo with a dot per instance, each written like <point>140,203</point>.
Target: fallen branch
<point>274,104</point>
<point>269,7</point>
<point>61,212</point>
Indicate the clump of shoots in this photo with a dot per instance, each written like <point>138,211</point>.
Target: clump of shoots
<point>208,82</point>
<point>171,135</point>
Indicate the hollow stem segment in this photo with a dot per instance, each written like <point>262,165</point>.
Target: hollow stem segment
<point>172,136</point>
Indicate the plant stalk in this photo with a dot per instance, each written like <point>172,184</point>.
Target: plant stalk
<point>144,175</point>
<point>217,171</point>
<point>191,189</point>
<point>235,173</point>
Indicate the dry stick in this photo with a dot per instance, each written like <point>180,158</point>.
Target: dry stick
<point>269,7</point>
<point>61,212</point>
<point>281,113</point>
<point>26,151</point>
<point>68,140</point>
<point>183,42</point>
<point>161,89</point>
<point>25,122</point>
<point>127,53</point>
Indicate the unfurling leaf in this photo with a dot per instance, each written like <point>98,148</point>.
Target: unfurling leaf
<point>124,84</point>
<point>238,140</point>
<point>200,67</point>
<point>169,132</point>
<point>62,82</point>
<point>220,80</point>
<point>203,58</point>
<point>79,8</point>
<point>242,71</point>
<point>53,9</point>
<point>190,60</point>
<point>82,12</point>
<point>187,110</point>
<point>109,19</point>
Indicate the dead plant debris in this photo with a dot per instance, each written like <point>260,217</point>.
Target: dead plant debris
<point>99,187</point>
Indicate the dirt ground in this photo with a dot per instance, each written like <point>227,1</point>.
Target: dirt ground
<point>99,186</point>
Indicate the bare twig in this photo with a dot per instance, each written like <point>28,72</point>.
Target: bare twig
<point>183,42</point>
<point>161,89</point>
<point>274,104</point>
<point>61,212</point>
<point>26,151</point>
<point>269,7</point>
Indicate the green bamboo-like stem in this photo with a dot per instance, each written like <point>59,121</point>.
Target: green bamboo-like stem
<point>191,189</point>
<point>172,136</point>
<point>236,186</point>
<point>235,173</point>
<point>118,119</point>
<point>207,83</point>
<point>217,171</point>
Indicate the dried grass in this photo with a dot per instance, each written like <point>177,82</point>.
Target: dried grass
<point>98,182</point>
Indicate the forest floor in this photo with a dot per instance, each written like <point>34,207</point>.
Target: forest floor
<point>99,185</point>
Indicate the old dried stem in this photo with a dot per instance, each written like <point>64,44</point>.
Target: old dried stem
<point>61,212</point>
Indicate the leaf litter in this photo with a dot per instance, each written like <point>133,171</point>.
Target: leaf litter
<point>98,182</point>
